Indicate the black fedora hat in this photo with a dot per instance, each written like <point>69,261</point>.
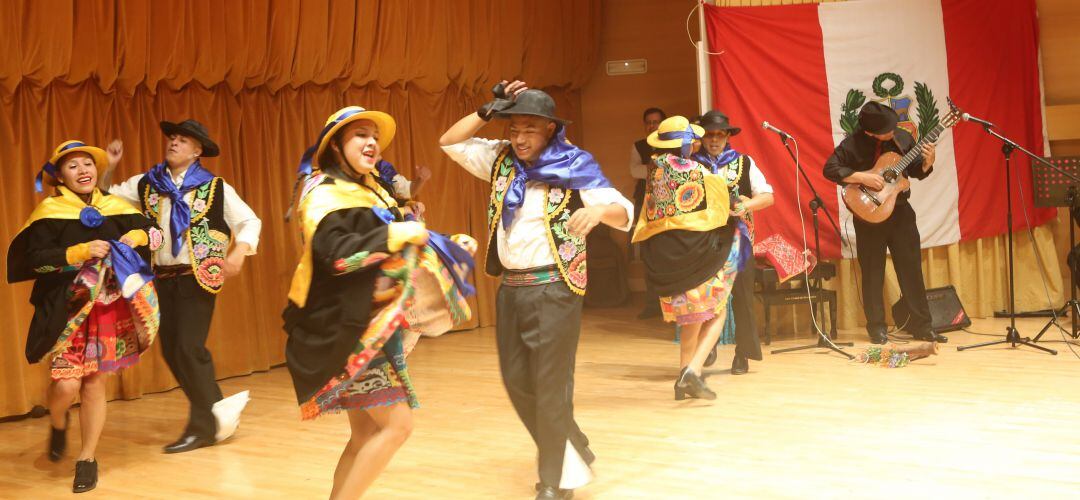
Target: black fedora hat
<point>715,120</point>
<point>194,130</point>
<point>877,118</point>
<point>535,103</point>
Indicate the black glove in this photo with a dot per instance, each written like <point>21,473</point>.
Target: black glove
<point>501,102</point>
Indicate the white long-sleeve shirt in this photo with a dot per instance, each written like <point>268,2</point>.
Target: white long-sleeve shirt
<point>525,244</point>
<point>242,221</point>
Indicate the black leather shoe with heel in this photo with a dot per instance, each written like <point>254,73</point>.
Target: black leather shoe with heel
<point>58,439</point>
<point>689,384</point>
<point>86,472</point>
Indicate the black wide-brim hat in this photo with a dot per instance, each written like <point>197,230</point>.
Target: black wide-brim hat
<point>194,130</point>
<point>715,120</point>
<point>877,118</point>
<point>534,103</point>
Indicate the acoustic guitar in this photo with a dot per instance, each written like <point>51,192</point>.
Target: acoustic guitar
<point>876,206</point>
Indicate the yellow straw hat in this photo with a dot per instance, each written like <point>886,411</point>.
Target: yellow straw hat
<point>675,132</point>
<point>101,159</point>
<point>340,118</point>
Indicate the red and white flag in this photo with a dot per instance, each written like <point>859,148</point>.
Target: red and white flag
<point>809,68</point>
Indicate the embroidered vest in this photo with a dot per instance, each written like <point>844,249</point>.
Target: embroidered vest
<point>737,175</point>
<point>569,251</point>
<point>682,194</point>
<point>208,235</point>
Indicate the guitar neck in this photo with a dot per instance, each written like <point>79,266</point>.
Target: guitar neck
<point>916,151</point>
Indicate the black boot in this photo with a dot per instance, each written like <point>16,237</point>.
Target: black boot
<point>58,440</point>
<point>739,364</point>
<point>709,361</point>
<point>85,476</point>
<point>690,384</point>
<point>878,336</point>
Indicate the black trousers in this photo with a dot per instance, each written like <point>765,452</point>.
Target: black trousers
<point>747,342</point>
<point>537,329</point>
<point>186,311</point>
<point>900,235</point>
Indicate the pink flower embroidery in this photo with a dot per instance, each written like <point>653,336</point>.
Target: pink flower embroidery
<point>152,199</point>
<point>198,205</point>
<point>679,164</point>
<point>500,184</point>
<point>211,272</point>
<point>567,250</point>
<point>201,250</point>
<point>156,238</point>
<point>577,272</point>
<point>555,196</point>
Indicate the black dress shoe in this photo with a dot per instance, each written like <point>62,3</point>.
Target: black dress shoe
<point>711,360</point>
<point>880,338</point>
<point>188,442</point>
<point>85,476</point>
<point>689,384</point>
<point>58,440</point>
<point>931,336</point>
<point>549,493</point>
<point>739,365</point>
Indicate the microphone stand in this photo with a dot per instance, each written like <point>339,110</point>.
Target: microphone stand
<point>1012,335</point>
<point>815,204</point>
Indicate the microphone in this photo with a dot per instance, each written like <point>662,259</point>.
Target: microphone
<point>980,121</point>
<point>768,126</point>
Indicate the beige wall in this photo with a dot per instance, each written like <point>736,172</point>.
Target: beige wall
<point>612,105</point>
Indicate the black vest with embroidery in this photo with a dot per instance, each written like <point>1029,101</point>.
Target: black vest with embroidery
<point>739,177</point>
<point>559,203</point>
<point>208,235</point>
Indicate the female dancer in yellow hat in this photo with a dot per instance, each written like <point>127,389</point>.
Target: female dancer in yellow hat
<point>352,315</point>
<point>95,308</point>
<point>691,252</point>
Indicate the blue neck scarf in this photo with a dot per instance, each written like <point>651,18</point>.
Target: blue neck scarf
<point>728,155</point>
<point>561,165</point>
<point>131,270</point>
<point>386,170</point>
<point>180,218</point>
<point>458,261</point>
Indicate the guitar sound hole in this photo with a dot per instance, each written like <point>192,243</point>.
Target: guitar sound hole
<point>889,176</point>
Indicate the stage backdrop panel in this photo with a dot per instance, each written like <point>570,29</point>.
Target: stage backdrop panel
<point>808,68</point>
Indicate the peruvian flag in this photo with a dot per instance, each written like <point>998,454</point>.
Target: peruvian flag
<point>807,69</point>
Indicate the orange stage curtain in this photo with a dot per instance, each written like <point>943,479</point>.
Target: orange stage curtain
<point>262,76</point>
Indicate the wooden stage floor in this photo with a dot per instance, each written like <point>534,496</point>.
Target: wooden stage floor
<point>993,422</point>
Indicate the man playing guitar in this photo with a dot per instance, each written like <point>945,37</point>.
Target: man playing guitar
<point>877,135</point>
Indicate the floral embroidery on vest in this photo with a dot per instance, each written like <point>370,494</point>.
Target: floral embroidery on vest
<point>675,191</point>
<point>569,251</point>
<point>207,246</point>
<point>733,173</point>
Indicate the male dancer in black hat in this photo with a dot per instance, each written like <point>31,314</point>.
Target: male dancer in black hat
<point>200,215</point>
<point>877,134</point>
<point>546,196</point>
<point>750,192</point>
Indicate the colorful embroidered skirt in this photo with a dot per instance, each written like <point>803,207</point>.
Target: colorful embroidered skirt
<point>707,300</point>
<point>106,332</point>
<point>415,296</point>
<point>380,384</point>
